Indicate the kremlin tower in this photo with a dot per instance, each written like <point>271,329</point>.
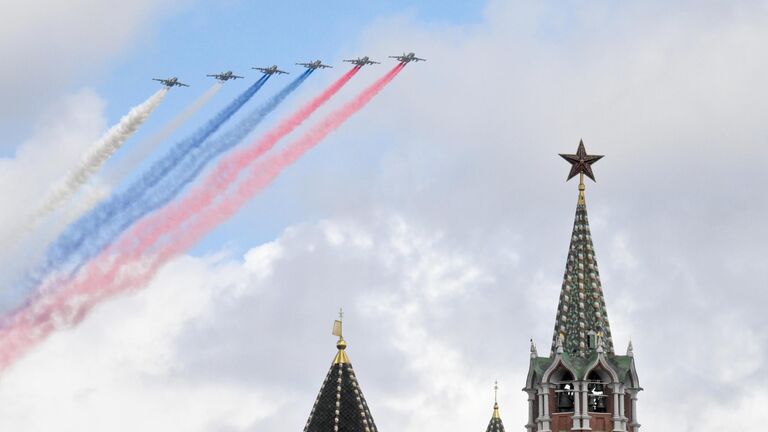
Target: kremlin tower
<point>583,385</point>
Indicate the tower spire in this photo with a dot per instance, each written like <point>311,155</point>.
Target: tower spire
<point>340,405</point>
<point>495,424</point>
<point>582,320</point>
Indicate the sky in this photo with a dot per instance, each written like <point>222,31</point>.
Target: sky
<point>438,217</point>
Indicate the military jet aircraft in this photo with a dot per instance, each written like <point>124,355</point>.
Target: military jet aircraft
<point>317,64</point>
<point>170,82</point>
<point>225,76</point>
<point>270,70</point>
<point>407,58</point>
<point>362,61</point>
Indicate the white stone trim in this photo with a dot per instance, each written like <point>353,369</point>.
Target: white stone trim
<point>531,425</point>
<point>558,361</point>
<point>600,360</point>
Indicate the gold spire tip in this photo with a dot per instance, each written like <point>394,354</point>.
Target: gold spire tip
<point>496,400</point>
<point>341,345</point>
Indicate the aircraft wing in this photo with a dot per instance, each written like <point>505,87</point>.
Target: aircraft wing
<point>237,76</point>
<point>182,84</point>
<point>419,59</point>
<point>281,72</point>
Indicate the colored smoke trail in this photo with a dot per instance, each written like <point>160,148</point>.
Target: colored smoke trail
<point>107,145</point>
<point>228,170</point>
<point>257,177</point>
<point>192,166</point>
<point>91,162</point>
<point>129,266</point>
<point>63,253</point>
<point>143,149</point>
<point>174,182</point>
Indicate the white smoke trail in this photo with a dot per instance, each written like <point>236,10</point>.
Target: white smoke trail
<point>107,145</point>
<point>104,148</point>
<point>93,159</point>
<point>142,150</point>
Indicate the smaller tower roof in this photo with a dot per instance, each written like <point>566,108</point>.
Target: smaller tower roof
<point>340,405</point>
<point>495,425</point>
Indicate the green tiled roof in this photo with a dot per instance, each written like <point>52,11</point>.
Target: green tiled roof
<point>540,365</point>
<point>581,314</point>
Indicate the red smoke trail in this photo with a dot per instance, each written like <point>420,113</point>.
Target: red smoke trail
<point>263,172</point>
<point>124,267</point>
<point>229,168</point>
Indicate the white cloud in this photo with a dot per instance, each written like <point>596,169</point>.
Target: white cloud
<point>66,128</point>
<point>218,344</point>
<point>115,372</point>
<point>46,44</point>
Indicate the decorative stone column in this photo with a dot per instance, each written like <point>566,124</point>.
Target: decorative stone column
<point>540,404</point>
<point>634,423</point>
<point>531,425</point>
<point>580,409</point>
<point>585,407</point>
<point>619,422</point>
<point>544,418</point>
<point>576,406</point>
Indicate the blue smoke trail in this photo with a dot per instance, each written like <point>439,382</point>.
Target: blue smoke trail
<point>66,245</point>
<point>185,171</point>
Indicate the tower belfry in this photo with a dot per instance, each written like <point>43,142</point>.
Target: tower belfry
<point>582,385</point>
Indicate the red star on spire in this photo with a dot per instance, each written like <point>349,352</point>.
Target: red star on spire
<point>581,162</point>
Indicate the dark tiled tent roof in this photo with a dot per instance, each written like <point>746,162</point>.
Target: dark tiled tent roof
<point>495,425</point>
<point>340,405</point>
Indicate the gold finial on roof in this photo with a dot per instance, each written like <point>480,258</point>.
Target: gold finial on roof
<point>496,400</point>
<point>341,356</point>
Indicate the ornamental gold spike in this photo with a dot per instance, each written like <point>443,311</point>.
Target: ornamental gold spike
<point>341,356</point>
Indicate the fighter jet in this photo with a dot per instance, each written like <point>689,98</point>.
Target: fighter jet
<point>407,58</point>
<point>362,61</point>
<point>224,76</point>
<point>170,82</point>
<point>317,64</point>
<point>270,70</point>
